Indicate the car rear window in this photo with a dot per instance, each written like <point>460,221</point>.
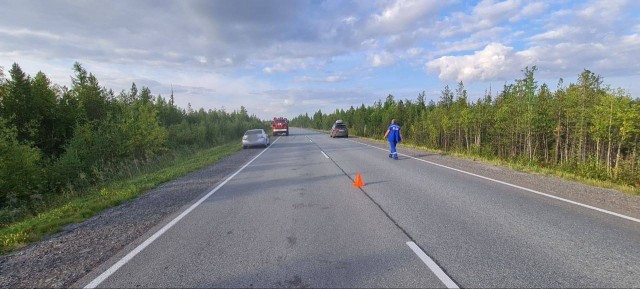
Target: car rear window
<point>253,131</point>
<point>341,126</point>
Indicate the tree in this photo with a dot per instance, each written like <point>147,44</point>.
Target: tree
<point>45,114</point>
<point>91,97</point>
<point>17,105</point>
<point>19,167</point>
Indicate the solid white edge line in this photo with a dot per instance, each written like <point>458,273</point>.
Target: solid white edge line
<point>444,278</point>
<point>147,242</point>
<point>325,155</point>
<point>516,186</point>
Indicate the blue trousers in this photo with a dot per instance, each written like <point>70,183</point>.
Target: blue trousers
<point>392,148</point>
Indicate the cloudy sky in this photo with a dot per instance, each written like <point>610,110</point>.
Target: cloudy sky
<point>295,56</point>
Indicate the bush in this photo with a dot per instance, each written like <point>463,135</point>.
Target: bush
<point>19,168</point>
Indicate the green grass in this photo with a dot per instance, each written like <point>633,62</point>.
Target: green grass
<point>75,209</point>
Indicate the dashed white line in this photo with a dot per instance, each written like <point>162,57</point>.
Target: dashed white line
<point>515,186</point>
<point>147,242</point>
<point>325,155</point>
<point>444,278</point>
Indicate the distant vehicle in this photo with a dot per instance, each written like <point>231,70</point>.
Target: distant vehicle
<point>255,137</point>
<point>339,129</point>
<point>280,125</point>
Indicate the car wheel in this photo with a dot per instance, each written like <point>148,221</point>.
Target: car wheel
<point>244,147</point>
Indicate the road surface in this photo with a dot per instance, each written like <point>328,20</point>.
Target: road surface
<point>292,218</point>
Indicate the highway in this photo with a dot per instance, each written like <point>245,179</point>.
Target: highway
<point>292,218</point>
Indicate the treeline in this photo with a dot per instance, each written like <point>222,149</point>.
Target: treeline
<point>55,139</point>
<point>585,128</point>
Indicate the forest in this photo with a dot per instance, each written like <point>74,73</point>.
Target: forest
<point>584,128</point>
<point>57,140</point>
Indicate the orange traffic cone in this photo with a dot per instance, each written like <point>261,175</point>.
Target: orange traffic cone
<point>358,182</point>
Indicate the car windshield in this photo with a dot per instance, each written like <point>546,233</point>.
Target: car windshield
<point>253,131</point>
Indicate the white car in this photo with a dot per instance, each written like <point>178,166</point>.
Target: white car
<point>255,137</point>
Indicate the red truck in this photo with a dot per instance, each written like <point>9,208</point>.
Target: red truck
<point>280,125</point>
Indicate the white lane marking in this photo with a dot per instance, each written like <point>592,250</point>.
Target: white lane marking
<point>309,138</point>
<point>325,155</point>
<point>444,278</point>
<point>147,242</point>
<point>516,186</point>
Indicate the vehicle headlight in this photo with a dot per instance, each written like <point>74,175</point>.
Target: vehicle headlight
<point>244,137</point>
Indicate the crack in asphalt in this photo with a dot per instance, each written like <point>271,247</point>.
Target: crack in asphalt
<point>404,231</point>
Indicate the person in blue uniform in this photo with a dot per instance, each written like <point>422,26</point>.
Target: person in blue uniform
<point>394,136</point>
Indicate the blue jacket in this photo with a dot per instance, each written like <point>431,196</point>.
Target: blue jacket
<point>394,133</point>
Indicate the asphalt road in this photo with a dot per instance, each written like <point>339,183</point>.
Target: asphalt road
<point>291,218</point>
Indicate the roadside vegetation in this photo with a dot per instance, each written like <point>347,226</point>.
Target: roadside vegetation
<point>67,153</point>
<point>583,131</point>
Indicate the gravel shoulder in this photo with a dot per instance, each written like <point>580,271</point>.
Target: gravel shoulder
<point>64,258</point>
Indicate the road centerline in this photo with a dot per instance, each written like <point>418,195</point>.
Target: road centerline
<point>431,264</point>
<point>156,235</point>
<point>444,278</point>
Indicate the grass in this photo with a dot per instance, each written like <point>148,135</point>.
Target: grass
<point>75,209</point>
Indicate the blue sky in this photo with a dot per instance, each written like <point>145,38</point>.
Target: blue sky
<point>284,58</point>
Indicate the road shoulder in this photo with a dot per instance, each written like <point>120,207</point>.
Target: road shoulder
<point>603,198</point>
<point>64,258</point>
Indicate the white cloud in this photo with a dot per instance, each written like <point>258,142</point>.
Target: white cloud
<point>559,33</point>
<point>488,9</point>
<point>328,79</point>
<point>381,59</point>
<point>350,20</point>
<point>289,101</point>
<point>311,100</point>
<point>529,10</point>
<point>485,15</point>
<point>201,59</point>
<point>415,52</point>
<point>24,32</point>
<point>369,43</point>
<point>604,11</point>
<point>400,14</point>
<point>615,57</point>
<point>475,41</point>
<point>286,65</point>
<point>495,61</point>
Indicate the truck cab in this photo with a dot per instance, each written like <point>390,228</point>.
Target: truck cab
<point>280,125</point>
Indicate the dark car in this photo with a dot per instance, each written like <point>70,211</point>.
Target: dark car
<point>339,129</point>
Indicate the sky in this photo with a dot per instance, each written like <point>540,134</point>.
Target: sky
<point>290,57</point>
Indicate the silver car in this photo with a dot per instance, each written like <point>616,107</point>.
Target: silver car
<point>255,137</point>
